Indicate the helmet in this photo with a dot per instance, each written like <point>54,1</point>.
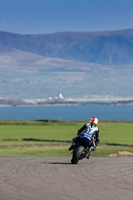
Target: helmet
<point>94,120</point>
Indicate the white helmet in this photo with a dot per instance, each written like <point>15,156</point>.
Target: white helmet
<point>94,120</point>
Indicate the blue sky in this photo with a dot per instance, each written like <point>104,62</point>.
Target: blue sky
<point>49,16</point>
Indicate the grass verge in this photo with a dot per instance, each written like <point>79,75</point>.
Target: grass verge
<point>53,138</point>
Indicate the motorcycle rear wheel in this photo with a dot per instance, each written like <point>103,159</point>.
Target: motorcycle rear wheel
<point>76,154</point>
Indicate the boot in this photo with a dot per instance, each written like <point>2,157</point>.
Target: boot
<point>92,148</point>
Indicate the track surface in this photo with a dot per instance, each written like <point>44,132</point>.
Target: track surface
<point>41,178</point>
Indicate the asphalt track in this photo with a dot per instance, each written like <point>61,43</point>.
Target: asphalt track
<point>43,178</point>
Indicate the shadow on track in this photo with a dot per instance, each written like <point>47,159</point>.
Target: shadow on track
<point>59,163</point>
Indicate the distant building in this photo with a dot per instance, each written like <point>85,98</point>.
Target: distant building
<point>61,96</point>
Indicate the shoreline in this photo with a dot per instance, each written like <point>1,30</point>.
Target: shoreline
<point>4,102</point>
<point>76,104</point>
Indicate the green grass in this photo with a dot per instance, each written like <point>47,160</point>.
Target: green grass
<point>53,138</point>
<point>121,133</point>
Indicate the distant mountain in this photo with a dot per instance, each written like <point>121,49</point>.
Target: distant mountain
<point>107,47</point>
<point>77,64</point>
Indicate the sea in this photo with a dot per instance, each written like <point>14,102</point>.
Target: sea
<point>72,113</point>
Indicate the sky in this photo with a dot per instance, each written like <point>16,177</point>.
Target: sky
<point>50,16</point>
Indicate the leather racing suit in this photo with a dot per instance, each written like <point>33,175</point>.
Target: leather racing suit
<point>91,133</point>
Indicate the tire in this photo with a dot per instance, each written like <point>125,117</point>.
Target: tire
<point>76,154</point>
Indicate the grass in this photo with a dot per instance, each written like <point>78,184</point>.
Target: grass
<point>53,138</point>
<point>121,133</point>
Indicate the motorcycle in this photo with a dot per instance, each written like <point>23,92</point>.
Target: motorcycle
<point>81,149</point>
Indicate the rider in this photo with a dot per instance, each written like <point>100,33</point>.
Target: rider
<point>87,131</point>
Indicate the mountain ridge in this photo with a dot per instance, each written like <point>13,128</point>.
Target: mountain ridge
<point>107,47</point>
<point>77,64</point>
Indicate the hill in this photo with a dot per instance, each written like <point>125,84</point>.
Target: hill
<point>77,64</point>
<point>110,47</point>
